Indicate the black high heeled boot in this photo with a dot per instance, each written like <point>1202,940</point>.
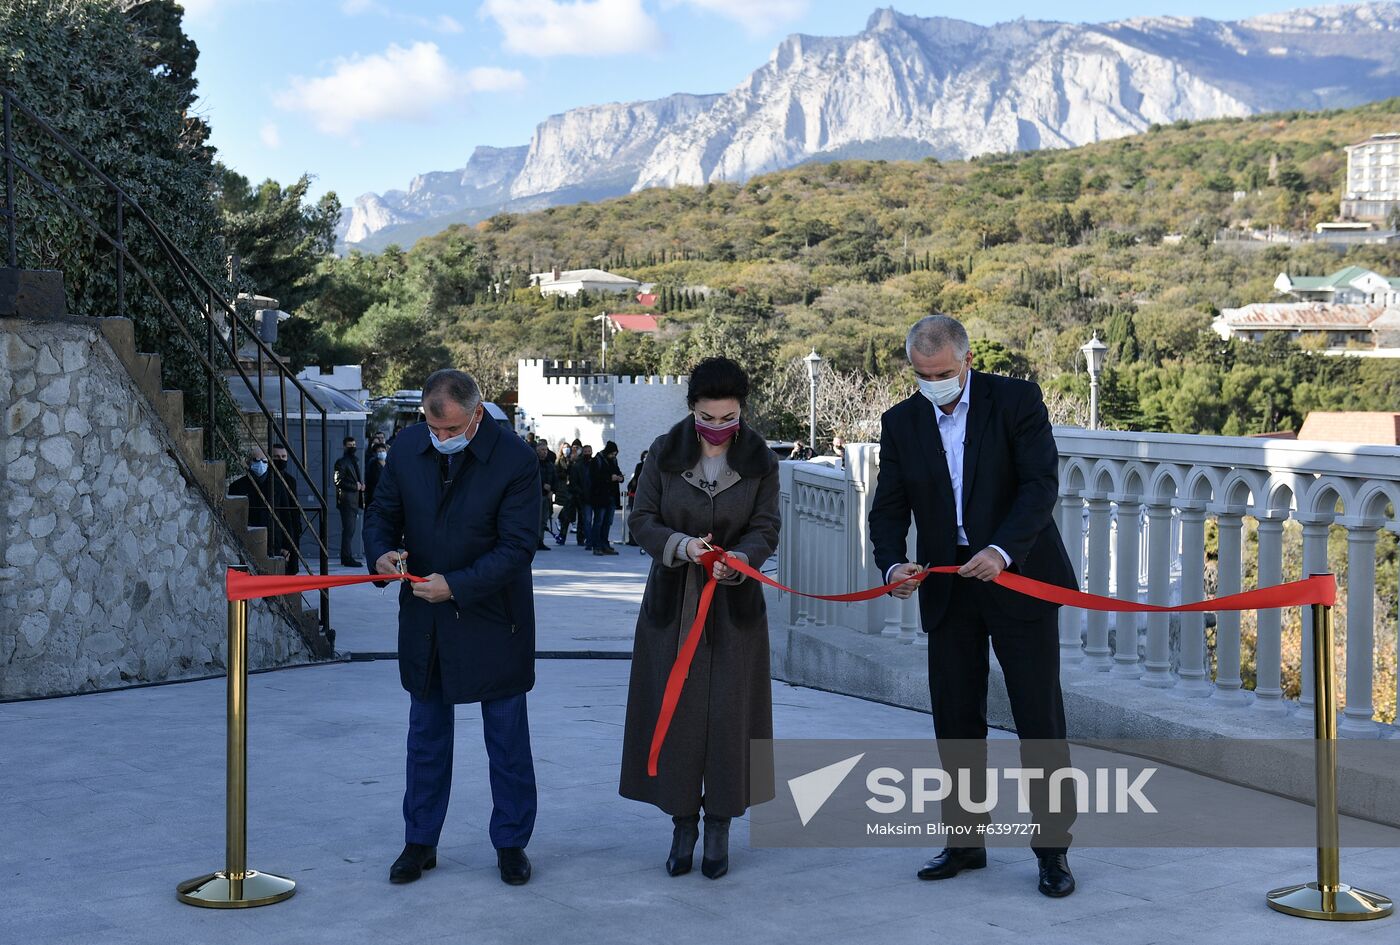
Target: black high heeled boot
<point>683,837</point>
<point>715,862</point>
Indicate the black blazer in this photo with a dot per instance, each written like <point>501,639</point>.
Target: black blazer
<point>1010,487</point>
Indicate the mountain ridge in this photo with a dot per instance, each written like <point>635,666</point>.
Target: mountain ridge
<point>907,81</point>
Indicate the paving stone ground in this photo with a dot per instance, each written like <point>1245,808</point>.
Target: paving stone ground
<point>107,801</point>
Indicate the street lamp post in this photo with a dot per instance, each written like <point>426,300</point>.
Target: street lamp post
<point>814,364</point>
<point>1094,352</point>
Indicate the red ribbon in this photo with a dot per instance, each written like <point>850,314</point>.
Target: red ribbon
<point>240,585</point>
<point>1319,589</point>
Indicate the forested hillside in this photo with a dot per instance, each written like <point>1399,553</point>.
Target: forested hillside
<point>1034,251</point>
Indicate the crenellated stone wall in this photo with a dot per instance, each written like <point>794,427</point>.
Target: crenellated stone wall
<point>111,556</point>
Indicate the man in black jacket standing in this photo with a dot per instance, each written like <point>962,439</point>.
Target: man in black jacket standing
<point>547,485</point>
<point>972,458</point>
<point>256,487</point>
<point>604,478</point>
<point>349,488</point>
<point>288,516</point>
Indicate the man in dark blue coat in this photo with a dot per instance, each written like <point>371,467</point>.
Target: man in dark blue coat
<point>459,503</point>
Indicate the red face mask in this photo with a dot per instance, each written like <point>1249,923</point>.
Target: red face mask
<point>717,434</point>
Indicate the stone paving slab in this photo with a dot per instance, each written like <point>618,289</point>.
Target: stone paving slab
<point>109,800</point>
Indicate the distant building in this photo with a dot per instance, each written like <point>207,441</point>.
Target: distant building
<point>1375,428</point>
<point>644,322</point>
<point>572,281</point>
<point>1373,178</point>
<point>563,400</point>
<point>1348,285</point>
<point>1344,329</point>
<point>347,378</point>
<point>649,299</point>
<point>1354,234</point>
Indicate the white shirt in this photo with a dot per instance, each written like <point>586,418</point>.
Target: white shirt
<point>952,430</point>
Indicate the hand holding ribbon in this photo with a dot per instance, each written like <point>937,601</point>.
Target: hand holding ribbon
<point>1319,589</point>
<point>240,585</point>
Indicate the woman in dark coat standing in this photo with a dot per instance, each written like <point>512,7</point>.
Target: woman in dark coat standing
<point>710,478</point>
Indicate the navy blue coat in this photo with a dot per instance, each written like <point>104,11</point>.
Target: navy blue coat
<point>480,533</point>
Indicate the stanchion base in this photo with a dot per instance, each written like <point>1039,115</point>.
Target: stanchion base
<point>217,891</point>
<point>1343,904</point>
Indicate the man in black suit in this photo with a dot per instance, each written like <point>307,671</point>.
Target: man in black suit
<point>972,458</point>
<point>288,510</point>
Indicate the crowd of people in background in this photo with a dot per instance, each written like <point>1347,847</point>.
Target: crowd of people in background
<point>583,491</point>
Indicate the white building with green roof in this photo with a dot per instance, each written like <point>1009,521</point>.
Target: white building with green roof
<point>1351,285</point>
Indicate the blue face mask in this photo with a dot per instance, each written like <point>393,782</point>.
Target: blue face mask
<point>259,467</point>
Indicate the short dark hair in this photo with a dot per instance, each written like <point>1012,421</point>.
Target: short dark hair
<point>448,385</point>
<point>610,448</point>
<point>347,441</point>
<point>717,379</point>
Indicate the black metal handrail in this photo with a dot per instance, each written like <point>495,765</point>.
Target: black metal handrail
<point>207,299</point>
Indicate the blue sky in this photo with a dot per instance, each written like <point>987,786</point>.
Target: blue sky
<point>363,94</point>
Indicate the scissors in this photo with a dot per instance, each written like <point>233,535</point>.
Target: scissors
<point>399,566</point>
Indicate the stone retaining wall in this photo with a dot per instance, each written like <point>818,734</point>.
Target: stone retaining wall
<point>112,560</point>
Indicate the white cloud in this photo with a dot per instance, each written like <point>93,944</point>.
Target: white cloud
<point>755,16</point>
<point>270,136</point>
<point>438,24</point>
<point>494,79</point>
<point>577,28</point>
<point>407,84</point>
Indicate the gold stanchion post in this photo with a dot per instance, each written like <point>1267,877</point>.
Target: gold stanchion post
<point>236,887</point>
<point>1328,897</point>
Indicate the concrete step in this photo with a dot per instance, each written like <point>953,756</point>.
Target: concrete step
<point>170,404</point>
<point>121,335</point>
<point>235,508</point>
<point>212,473</point>
<point>192,439</point>
<point>145,370</point>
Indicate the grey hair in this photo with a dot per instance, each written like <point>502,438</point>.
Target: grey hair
<point>447,385</point>
<point>933,333</point>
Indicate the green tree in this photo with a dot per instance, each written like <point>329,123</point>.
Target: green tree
<point>118,87</point>
<point>399,348</point>
<point>280,237</point>
<point>993,357</point>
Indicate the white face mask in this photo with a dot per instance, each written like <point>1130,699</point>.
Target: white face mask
<point>449,446</point>
<point>941,393</point>
<point>258,466</point>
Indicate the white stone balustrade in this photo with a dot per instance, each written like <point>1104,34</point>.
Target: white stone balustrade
<point>1134,509</point>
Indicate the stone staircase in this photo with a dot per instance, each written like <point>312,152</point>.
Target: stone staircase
<point>209,476</point>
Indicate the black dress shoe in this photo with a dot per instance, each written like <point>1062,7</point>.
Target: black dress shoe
<point>514,864</point>
<point>1056,880</point>
<point>351,563</point>
<point>952,861</point>
<point>543,547</point>
<point>411,863</point>
<point>683,837</point>
<point>715,861</point>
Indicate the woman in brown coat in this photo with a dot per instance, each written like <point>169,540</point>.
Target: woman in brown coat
<point>711,478</point>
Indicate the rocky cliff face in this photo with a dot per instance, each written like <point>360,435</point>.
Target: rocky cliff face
<point>908,85</point>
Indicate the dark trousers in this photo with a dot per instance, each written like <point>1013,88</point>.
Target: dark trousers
<point>600,530</point>
<point>546,513</point>
<point>506,728</point>
<point>1029,653</point>
<point>349,522</point>
<point>585,523</point>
